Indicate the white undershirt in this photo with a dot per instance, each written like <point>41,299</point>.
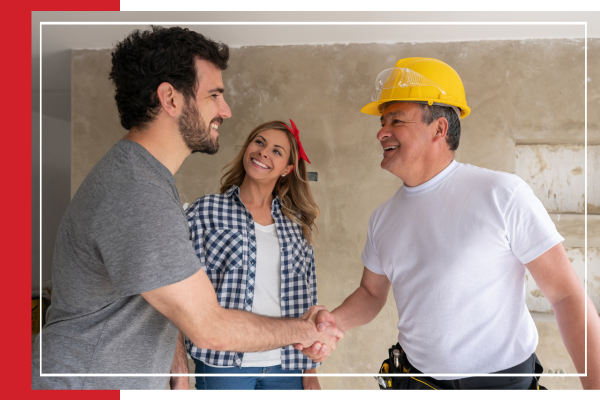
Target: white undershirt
<point>267,289</point>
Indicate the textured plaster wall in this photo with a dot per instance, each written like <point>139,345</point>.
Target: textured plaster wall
<point>522,93</point>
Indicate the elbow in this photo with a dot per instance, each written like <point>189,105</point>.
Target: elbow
<point>379,300</point>
<point>213,342</point>
<point>210,339</point>
<point>217,338</point>
<point>558,300</point>
<point>212,335</point>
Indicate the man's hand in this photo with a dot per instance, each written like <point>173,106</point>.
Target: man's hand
<point>358,309</point>
<point>309,381</point>
<point>179,366</point>
<point>179,383</point>
<point>324,321</point>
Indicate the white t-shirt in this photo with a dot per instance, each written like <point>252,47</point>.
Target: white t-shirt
<point>454,249</point>
<point>267,290</point>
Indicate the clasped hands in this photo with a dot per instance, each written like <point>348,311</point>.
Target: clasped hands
<point>325,336</point>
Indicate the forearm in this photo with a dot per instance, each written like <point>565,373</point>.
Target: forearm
<point>241,331</point>
<point>570,316</point>
<point>555,276</point>
<point>358,309</point>
<point>192,306</point>
<point>179,365</point>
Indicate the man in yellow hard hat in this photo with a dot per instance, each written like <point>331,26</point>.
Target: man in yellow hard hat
<point>454,242</point>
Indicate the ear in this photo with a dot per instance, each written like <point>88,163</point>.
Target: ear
<point>441,129</point>
<point>170,99</point>
<point>288,169</point>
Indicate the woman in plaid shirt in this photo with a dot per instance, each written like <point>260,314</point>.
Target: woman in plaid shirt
<point>254,241</point>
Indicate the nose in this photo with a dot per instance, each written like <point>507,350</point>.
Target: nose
<point>224,110</point>
<point>383,133</point>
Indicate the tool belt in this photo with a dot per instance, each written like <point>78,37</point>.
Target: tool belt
<point>398,363</point>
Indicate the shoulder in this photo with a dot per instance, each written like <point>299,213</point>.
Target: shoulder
<point>134,204</point>
<point>490,187</point>
<point>490,177</point>
<point>489,180</point>
<point>209,203</point>
<point>127,164</point>
<point>144,196</point>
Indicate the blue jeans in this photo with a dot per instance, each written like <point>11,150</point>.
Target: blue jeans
<point>262,382</point>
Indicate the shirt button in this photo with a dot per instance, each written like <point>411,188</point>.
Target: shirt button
<point>252,262</point>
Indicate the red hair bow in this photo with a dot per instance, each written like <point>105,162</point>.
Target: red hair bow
<point>294,131</point>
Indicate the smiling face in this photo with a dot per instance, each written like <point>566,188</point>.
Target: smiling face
<point>267,155</point>
<point>209,105</point>
<point>407,142</point>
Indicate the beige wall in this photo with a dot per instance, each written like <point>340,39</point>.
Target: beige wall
<point>523,94</point>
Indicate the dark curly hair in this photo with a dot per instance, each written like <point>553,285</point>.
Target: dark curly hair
<point>144,60</point>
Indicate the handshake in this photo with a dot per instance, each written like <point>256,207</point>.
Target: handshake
<point>324,336</point>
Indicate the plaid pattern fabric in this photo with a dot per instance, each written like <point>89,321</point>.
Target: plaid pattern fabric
<point>224,238</point>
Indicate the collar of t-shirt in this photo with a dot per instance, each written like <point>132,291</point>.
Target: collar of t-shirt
<point>436,180</point>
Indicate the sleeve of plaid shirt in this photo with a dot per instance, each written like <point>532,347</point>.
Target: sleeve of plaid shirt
<point>196,232</point>
<point>312,284</point>
<point>312,279</point>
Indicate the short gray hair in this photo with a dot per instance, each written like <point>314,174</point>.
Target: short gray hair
<point>431,113</point>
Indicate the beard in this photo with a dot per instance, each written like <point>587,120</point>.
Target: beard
<point>195,132</point>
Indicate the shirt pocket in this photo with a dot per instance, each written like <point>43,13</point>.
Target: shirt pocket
<point>223,250</point>
<point>299,294</point>
<point>295,254</point>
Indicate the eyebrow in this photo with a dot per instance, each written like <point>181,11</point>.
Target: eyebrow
<point>217,90</point>
<point>276,145</point>
<point>392,114</point>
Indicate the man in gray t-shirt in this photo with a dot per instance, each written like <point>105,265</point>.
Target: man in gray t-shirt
<point>125,275</point>
<point>123,234</point>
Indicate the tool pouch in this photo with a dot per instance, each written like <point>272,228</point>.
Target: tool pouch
<point>535,385</point>
<point>421,382</point>
<point>401,382</point>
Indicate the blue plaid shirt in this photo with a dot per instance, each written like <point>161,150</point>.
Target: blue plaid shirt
<point>224,238</point>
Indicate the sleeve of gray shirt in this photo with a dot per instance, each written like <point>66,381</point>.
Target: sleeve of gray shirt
<point>143,238</point>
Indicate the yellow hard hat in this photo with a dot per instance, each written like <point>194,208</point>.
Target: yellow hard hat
<point>419,79</point>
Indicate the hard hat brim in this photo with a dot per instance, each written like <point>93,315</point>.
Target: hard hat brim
<point>373,107</point>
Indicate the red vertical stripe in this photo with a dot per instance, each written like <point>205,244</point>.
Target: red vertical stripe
<point>16,195</point>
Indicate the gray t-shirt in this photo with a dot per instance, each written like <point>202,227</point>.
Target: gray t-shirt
<point>123,234</point>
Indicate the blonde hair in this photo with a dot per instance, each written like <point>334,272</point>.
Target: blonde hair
<point>297,202</point>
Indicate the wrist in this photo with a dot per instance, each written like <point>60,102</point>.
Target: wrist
<point>310,333</point>
<point>339,321</point>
